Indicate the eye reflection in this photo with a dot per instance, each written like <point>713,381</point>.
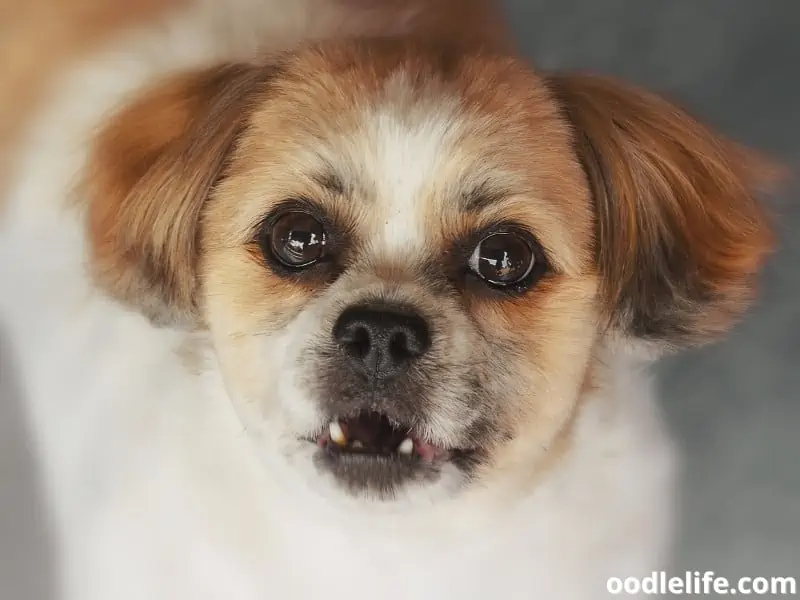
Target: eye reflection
<point>502,259</point>
<point>297,239</point>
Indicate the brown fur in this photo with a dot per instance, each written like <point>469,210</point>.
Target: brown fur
<point>680,231</point>
<point>153,167</point>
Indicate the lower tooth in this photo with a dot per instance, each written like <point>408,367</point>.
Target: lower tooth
<point>406,447</point>
<point>357,444</point>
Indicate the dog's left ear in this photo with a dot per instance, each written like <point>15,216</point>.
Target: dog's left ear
<point>152,168</point>
<point>680,232</point>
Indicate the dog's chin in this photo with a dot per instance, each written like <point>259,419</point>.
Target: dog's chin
<point>384,484</point>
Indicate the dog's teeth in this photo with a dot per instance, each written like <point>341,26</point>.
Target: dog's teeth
<point>357,444</point>
<point>337,433</point>
<point>406,446</point>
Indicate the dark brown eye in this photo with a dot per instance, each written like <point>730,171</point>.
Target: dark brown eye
<point>297,240</point>
<point>503,259</point>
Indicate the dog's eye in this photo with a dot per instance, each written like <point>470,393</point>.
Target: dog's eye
<point>297,239</point>
<point>503,259</point>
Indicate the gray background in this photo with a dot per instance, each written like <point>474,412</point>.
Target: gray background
<point>735,407</point>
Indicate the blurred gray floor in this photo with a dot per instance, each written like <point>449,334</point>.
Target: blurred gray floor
<point>735,407</point>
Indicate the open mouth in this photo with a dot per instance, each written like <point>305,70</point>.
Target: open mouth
<point>370,452</point>
<point>374,434</point>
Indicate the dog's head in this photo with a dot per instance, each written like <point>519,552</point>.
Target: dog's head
<point>405,257</point>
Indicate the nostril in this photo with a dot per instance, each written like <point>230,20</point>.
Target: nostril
<point>416,337</point>
<point>355,338</point>
<point>360,344</point>
<point>399,348</point>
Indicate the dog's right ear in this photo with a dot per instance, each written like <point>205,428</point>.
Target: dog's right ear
<point>150,172</point>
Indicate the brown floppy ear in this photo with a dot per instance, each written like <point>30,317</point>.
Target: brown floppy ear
<point>150,171</point>
<point>680,234</point>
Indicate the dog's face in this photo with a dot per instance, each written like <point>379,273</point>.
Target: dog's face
<point>406,257</point>
<point>397,272</point>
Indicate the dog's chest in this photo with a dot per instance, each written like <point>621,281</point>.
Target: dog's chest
<point>296,561</point>
<point>344,566</point>
<point>172,537</point>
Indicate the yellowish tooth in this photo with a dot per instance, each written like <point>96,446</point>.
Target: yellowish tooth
<point>357,444</point>
<point>406,447</point>
<point>337,434</point>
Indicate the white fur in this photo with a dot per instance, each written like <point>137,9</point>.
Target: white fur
<point>408,150</point>
<point>155,492</point>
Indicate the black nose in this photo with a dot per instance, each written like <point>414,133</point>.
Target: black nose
<point>381,341</point>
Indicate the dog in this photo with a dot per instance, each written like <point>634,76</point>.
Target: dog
<point>344,299</point>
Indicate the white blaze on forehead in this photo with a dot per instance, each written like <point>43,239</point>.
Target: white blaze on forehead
<point>410,144</point>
